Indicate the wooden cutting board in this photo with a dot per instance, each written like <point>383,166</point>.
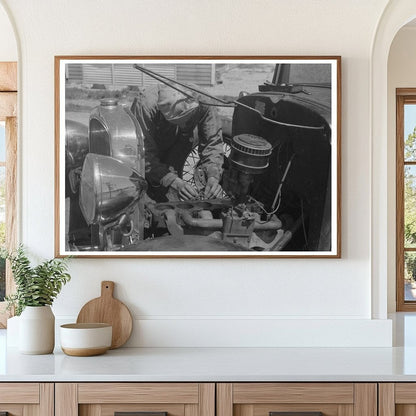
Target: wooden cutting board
<point>108,310</point>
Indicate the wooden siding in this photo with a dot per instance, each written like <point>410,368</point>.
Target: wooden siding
<point>125,74</point>
<point>200,74</point>
<point>73,72</point>
<point>97,74</point>
<point>122,75</point>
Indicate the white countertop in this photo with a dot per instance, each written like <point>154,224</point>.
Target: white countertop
<point>215,364</point>
<point>222,364</point>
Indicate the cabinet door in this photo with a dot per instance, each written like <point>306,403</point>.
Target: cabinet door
<point>297,399</point>
<point>142,399</point>
<point>26,399</point>
<point>397,399</point>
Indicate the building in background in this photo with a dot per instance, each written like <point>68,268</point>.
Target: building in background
<point>120,75</point>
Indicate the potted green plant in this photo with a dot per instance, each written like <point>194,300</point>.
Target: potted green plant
<point>36,289</point>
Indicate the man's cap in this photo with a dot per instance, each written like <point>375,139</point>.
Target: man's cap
<point>175,106</point>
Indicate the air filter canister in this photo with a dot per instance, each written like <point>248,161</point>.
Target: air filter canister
<point>249,153</point>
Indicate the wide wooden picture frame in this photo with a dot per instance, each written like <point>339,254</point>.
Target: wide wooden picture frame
<point>198,156</point>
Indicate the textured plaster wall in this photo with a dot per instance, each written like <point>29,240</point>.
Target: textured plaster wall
<point>8,46</point>
<point>206,293</point>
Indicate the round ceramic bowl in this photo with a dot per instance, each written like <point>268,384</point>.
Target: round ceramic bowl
<point>83,340</point>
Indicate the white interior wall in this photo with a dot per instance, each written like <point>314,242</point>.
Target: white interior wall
<point>8,46</point>
<point>401,74</point>
<point>206,301</point>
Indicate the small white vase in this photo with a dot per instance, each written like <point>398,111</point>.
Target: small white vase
<point>37,330</point>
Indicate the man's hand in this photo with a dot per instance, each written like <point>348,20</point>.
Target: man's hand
<point>212,189</point>
<point>185,190</point>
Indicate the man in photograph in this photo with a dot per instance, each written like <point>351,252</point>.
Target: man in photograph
<point>173,124</point>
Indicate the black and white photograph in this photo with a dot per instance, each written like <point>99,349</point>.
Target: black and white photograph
<point>197,157</point>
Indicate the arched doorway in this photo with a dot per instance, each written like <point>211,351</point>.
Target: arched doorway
<point>395,16</point>
<point>8,151</point>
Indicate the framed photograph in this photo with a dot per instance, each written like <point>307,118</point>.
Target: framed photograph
<point>198,156</point>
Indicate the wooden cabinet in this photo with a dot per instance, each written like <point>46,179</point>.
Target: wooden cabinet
<point>27,399</point>
<point>262,399</point>
<point>105,399</point>
<point>208,399</point>
<point>397,399</point>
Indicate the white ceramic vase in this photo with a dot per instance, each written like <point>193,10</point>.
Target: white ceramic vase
<point>37,330</point>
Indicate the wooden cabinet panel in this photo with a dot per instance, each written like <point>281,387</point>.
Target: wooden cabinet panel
<point>405,393</point>
<point>293,393</point>
<point>110,409</point>
<point>265,409</point>
<point>104,399</point>
<point>386,405</point>
<point>138,393</point>
<point>19,393</point>
<point>332,399</point>
<point>27,399</point>
<point>46,399</point>
<point>397,399</point>
<point>207,399</point>
<point>66,399</point>
<point>365,399</point>
<point>224,399</point>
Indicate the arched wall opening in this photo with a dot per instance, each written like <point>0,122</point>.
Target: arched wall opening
<point>8,139</point>
<point>401,73</point>
<point>396,15</point>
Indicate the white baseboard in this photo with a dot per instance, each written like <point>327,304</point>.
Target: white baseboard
<point>189,332</point>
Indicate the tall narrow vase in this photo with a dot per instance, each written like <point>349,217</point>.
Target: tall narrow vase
<point>37,330</point>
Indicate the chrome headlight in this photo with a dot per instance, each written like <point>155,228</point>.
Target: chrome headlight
<point>108,188</point>
<point>76,144</point>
